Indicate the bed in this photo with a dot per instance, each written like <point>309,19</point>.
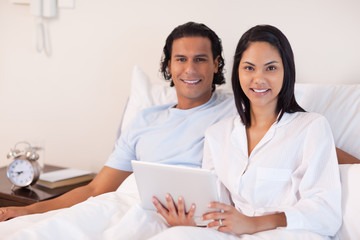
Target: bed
<point>340,104</point>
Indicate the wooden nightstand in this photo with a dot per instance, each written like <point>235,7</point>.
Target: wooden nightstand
<point>26,196</point>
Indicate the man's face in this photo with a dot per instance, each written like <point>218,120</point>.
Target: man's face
<point>192,69</point>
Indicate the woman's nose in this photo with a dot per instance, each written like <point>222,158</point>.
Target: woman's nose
<point>259,77</point>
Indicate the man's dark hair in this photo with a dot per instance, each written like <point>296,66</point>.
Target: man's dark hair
<point>286,99</point>
<point>192,29</point>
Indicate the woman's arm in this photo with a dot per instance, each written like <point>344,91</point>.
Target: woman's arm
<point>318,208</point>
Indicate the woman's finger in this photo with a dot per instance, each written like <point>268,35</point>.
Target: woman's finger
<point>191,212</point>
<point>170,204</point>
<point>161,209</point>
<point>220,206</point>
<point>214,215</point>
<point>181,208</point>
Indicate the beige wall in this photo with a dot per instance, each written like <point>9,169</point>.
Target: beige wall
<point>71,102</point>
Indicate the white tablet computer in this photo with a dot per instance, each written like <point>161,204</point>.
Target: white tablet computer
<point>195,185</point>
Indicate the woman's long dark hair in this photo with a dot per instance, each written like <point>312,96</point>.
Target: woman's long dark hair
<point>286,99</point>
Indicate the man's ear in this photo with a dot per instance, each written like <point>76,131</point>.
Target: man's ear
<point>169,67</point>
<point>216,64</point>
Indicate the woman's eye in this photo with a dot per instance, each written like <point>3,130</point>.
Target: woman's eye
<point>271,68</point>
<point>249,68</point>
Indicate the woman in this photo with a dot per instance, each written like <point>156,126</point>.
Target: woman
<point>277,161</point>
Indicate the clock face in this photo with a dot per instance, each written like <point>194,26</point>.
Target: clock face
<point>21,172</point>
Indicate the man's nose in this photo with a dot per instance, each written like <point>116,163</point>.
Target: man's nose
<point>190,67</point>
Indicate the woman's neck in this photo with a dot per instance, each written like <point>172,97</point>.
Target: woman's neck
<point>262,117</point>
<point>261,121</point>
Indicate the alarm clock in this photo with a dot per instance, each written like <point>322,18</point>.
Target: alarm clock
<point>24,170</point>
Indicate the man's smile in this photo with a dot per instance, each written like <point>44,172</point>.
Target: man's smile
<point>191,81</point>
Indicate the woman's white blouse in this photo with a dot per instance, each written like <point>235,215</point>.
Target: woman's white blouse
<point>293,169</point>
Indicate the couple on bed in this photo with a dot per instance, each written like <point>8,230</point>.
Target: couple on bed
<point>277,162</point>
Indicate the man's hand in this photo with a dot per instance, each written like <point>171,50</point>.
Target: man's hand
<point>173,216</point>
<point>11,212</point>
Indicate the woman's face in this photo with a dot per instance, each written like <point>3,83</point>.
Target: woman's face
<point>261,74</point>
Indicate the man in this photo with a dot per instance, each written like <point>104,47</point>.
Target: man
<point>171,134</point>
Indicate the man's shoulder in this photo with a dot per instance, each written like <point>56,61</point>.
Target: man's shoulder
<point>223,126</point>
<point>150,114</point>
<point>224,95</point>
<point>223,99</point>
<point>155,109</point>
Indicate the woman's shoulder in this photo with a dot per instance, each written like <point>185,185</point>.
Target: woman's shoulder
<point>310,116</point>
<point>302,119</point>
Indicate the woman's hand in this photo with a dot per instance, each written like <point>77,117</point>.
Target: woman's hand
<point>230,220</point>
<point>173,216</point>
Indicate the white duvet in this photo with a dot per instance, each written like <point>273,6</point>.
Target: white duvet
<point>99,215</point>
<point>86,220</point>
<point>100,218</point>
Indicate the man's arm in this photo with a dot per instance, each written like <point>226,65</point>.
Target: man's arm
<point>108,179</point>
<point>345,158</point>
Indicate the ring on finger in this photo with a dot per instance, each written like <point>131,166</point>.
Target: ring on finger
<point>220,222</point>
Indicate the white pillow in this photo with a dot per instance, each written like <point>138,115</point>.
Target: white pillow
<point>340,104</point>
<point>144,94</point>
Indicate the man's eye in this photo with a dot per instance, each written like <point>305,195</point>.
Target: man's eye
<point>200,60</point>
<point>181,59</point>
